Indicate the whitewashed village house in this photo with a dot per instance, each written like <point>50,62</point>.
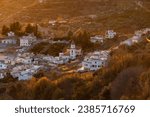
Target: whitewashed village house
<point>3,66</point>
<point>97,39</point>
<point>2,74</point>
<point>25,58</point>
<point>135,39</point>
<point>24,72</point>
<point>27,40</point>
<point>96,60</point>
<point>10,60</point>
<point>10,39</point>
<point>42,1</point>
<point>110,34</point>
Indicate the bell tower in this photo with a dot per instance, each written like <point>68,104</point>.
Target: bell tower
<point>73,50</point>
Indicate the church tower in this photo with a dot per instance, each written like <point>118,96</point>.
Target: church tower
<point>73,50</point>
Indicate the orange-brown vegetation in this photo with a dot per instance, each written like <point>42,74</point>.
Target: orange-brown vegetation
<point>126,77</point>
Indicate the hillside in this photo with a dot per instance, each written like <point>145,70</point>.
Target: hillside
<point>118,14</point>
<point>126,79</point>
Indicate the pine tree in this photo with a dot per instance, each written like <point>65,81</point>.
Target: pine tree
<point>15,27</point>
<point>5,30</point>
<point>29,29</point>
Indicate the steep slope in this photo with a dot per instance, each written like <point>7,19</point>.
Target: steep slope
<point>109,12</point>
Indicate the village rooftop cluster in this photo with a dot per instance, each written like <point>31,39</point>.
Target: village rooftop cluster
<point>23,64</point>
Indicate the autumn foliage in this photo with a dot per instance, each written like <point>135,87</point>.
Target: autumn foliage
<point>127,76</point>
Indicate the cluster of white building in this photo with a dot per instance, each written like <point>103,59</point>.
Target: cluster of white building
<point>96,60</point>
<point>21,66</point>
<point>137,37</point>
<point>110,34</point>
<point>27,40</point>
<point>24,65</point>
<point>24,72</point>
<point>70,54</point>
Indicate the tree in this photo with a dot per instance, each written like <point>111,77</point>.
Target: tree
<point>5,30</point>
<point>126,83</point>
<point>29,29</point>
<point>16,28</point>
<point>82,38</point>
<point>144,81</point>
<point>70,34</point>
<point>32,29</point>
<point>44,89</point>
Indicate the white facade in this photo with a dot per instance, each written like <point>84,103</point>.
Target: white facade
<point>141,32</point>
<point>2,74</point>
<point>9,41</point>
<point>11,34</point>
<point>3,66</point>
<point>110,34</point>
<point>26,58</point>
<point>131,41</point>
<point>24,72</point>
<point>9,60</point>
<point>97,39</point>
<point>63,58</point>
<point>27,40</point>
<point>73,51</point>
<point>95,61</point>
<point>59,60</point>
<point>126,42</point>
<point>42,1</point>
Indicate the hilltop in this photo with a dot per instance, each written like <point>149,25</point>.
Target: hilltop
<point>117,14</point>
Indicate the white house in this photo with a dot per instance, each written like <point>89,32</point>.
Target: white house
<point>136,39</point>
<point>127,42</point>
<point>110,34</point>
<point>64,57</point>
<point>97,39</point>
<point>10,60</point>
<point>131,41</point>
<point>27,40</point>
<point>2,74</point>
<point>146,30</point>
<point>59,42</point>
<point>42,1</point>
<point>3,66</point>
<point>9,41</point>
<point>24,72</point>
<point>11,34</point>
<point>95,61</point>
<point>26,58</point>
<point>138,33</point>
